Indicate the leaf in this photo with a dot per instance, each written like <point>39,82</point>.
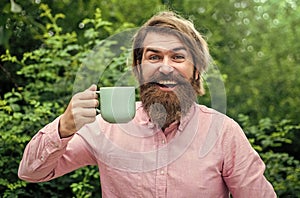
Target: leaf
<point>15,8</point>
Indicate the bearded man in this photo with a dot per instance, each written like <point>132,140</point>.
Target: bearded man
<point>173,147</point>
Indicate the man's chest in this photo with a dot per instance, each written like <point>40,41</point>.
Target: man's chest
<point>162,174</point>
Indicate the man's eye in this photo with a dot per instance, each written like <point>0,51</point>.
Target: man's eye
<point>154,57</point>
<point>178,57</point>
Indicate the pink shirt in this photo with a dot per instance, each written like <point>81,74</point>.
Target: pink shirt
<point>206,155</point>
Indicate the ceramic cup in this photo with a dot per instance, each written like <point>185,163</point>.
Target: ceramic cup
<point>117,104</point>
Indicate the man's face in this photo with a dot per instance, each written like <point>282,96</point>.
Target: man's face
<point>167,55</point>
<point>167,70</point>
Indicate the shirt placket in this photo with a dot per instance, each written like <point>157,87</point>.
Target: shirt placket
<point>162,169</point>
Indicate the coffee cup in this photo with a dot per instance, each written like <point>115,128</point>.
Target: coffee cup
<point>117,104</point>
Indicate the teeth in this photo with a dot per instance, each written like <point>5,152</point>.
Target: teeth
<point>167,82</point>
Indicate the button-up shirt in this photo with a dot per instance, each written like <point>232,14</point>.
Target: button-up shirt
<point>205,154</point>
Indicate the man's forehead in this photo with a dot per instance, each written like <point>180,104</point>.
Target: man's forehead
<point>160,49</point>
<point>162,41</point>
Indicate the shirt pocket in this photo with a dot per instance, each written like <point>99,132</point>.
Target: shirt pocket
<point>123,176</point>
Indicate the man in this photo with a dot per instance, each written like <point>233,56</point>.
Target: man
<point>172,148</point>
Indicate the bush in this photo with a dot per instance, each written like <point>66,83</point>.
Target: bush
<point>49,72</point>
<point>267,137</point>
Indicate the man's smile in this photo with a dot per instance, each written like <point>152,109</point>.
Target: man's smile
<point>166,85</point>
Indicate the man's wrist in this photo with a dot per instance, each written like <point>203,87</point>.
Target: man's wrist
<point>63,130</point>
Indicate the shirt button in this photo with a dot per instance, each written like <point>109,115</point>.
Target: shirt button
<point>162,172</point>
<point>163,141</point>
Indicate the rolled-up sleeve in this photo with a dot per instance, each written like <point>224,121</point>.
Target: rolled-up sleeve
<point>47,156</point>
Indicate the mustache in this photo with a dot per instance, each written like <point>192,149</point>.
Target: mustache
<point>157,77</point>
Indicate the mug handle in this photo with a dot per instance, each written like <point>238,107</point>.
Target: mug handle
<point>98,110</point>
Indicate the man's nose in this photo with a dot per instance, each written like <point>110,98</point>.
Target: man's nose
<point>166,69</point>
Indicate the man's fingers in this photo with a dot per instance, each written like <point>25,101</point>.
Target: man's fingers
<point>86,95</point>
<point>85,116</point>
<point>91,103</point>
<point>93,87</point>
<point>80,111</point>
<point>84,112</point>
<point>89,93</point>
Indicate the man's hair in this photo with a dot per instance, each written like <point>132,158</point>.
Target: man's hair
<point>168,22</point>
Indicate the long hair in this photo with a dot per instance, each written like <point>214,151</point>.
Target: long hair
<point>168,22</point>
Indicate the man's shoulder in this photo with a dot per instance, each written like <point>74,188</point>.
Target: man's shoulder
<point>208,110</point>
<point>212,113</point>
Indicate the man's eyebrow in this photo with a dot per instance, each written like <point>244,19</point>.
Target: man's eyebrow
<point>156,50</point>
<point>179,48</point>
<point>151,49</point>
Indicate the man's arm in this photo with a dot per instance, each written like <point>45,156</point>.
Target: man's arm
<point>47,156</point>
<point>57,149</point>
<point>243,169</point>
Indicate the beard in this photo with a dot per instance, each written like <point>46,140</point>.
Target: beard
<point>166,107</point>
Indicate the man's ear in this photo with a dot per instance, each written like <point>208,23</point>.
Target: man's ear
<point>196,74</point>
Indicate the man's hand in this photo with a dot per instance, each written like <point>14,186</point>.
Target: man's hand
<point>80,111</point>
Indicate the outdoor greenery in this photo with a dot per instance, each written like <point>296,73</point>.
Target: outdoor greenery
<point>43,45</point>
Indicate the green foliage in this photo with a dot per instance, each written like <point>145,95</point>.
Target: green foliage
<point>255,45</point>
<point>17,124</point>
<point>46,56</point>
<point>282,170</point>
<point>85,188</point>
<point>243,38</point>
<point>49,72</point>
